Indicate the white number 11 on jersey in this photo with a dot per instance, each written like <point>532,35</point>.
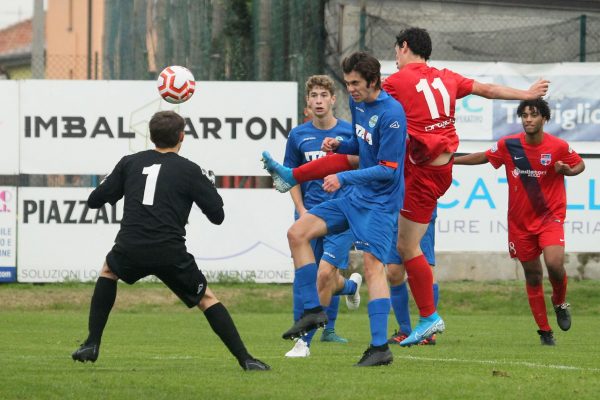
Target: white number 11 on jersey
<point>437,83</point>
<point>150,187</point>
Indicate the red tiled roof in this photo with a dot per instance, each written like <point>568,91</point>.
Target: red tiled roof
<point>16,38</point>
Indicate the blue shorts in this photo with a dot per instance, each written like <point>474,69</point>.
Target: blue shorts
<point>427,246</point>
<point>372,229</point>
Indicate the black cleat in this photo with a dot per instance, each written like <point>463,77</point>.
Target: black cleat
<point>563,316</point>
<point>374,356</point>
<point>307,323</point>
<point>86,352</point>
<point>547,338</point>
<point>252,364</point>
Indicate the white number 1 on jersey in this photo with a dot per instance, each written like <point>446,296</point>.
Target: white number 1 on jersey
<point>437,83</point>
<point>150,187</point>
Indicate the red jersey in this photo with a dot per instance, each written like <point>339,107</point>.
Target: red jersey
<point>536,193</point>
<point>428,96</point>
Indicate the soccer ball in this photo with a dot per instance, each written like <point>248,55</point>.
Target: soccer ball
<point>176,84</point>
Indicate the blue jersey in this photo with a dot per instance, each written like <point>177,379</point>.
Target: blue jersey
<point>304,145</point>
<point>380,142</point>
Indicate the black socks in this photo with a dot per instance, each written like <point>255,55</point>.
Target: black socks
<point>103,300</point>
<point>221,323</point>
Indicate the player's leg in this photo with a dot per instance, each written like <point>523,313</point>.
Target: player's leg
<point>306,228</point>
<point>378,352</point>
<point>552,241</point>
<point>554,257</point>
<point>396,276</point>
<point>285,178</point>
<point>328,281</point>
<point>103,299</point>
<point>221,323</point>
<point>535,294</point>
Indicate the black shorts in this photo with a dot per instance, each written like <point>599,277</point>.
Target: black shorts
<point>182,275</point>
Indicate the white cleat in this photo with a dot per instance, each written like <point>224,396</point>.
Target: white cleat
<point>353,300</point>
<point>299,350</point>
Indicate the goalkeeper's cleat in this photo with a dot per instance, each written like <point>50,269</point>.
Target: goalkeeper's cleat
<point>397,337</point>
<point>300,350</point>
<point>253,364</point>
<point>546,338</point>
<point>329,335</point>
<point>353,300</point>
<point>375,356</point>
<point>305,324</point>
<point>563,316</point>
<point>426,327</point>
<point>86,352</point>
<point>283,178</point>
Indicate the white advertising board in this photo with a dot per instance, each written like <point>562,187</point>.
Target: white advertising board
<point>8,233</point>
<point>472,213</point>
<point>9,128</point>
<point>61,239</point>
<point>85,127</point>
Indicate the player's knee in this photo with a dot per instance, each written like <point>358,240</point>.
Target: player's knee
<point>295,235</point>
<point>395,275</point>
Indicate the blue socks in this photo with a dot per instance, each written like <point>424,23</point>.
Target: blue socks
<point>332,312</point>
<point>399,300</point>
<point>379,310</point>
<point>306,277</point>
<point>349,288</point>
<point>436,294</point>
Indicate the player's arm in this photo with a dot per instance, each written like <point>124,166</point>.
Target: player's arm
<point>110,189</point>
<point>206,197</point>
<point>565,169</point>
<point>494,91</point>
<point>472,159</point>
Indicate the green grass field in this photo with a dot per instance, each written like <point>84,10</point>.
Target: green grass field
<point>154,348</point>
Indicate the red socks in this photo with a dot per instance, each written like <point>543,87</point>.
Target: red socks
<point>559,290</point>
<point>321,167</point>
<point>420,280</point>
<point>537,304</point>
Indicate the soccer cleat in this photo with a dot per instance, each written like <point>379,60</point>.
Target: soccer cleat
<point>397,337</point>
<point>86,352</point>
<point>305,324</point>
<point>374,356</point>
<point>429,341</point>
<point>283,178</point>
<point>253,364</point>
<point>353,300</point>
<point>547,338</point>
<point>427,327</point>
<point>299,350</point>
<point>563,316</point>
<point>329,335</point>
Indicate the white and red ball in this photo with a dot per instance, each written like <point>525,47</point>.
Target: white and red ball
<point>176,84</point>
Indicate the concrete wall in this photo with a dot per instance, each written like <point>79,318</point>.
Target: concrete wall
<point>494,266</point>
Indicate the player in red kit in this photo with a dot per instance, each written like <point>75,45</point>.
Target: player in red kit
<point>536,163</point>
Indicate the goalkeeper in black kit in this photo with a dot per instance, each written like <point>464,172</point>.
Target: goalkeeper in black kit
<point>159,187</point>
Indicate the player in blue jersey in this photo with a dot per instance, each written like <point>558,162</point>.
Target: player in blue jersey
<point>380,140</point>
<point>331,251</point>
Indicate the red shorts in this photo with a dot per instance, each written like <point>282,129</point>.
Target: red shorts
<point>527,246</point>
<point>423,186</point>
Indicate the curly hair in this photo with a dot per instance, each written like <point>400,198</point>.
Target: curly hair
<point>417,40</point>
<point>539,104</point>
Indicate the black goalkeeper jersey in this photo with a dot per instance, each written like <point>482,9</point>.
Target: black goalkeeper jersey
<point>159,189</point>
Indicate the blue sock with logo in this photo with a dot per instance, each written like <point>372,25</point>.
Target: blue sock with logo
<point>379,310</point>
<point>399,300</point>
<point>332,312</point>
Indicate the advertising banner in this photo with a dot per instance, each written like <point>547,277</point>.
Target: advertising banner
<point>572,97</point>
<point>8,233</point>
<point>85,127</point>
<point>9,128</point>
<point>61,239</point>
<point>472,213</point>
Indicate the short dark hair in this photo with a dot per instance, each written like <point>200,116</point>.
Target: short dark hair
<point>539,104</point>
<point>165,127</point>
<point>417,40</point>
<point>366,65</point>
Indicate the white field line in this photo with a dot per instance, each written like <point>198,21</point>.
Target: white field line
<point>501,362</point>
